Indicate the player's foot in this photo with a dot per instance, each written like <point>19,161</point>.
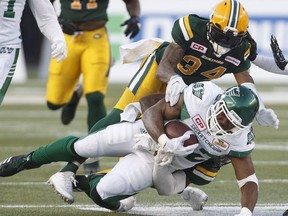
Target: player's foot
<point>12,165</point>
<point>69,110</point>
<point>195,197</point>
<point>126,204</point>
<point>91,165</point>
<point>62,182</point>
<point>285,213</point>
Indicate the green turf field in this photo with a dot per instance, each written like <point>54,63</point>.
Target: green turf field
<point>26,123</point>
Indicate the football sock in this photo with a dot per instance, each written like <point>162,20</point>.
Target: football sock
<point>112,118</point>
<point>96,108</point>
<point>60,150</point>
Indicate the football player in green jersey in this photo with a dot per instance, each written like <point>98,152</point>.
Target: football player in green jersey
<point>89,54</point>
<point>84,26</point>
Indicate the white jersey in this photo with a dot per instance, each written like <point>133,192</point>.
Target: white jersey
<point>134,172</point>
<point>197,99</point>
<point>10,18</point>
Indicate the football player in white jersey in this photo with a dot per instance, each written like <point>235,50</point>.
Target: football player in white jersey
<point>10,35</point>
<point>221,121</point>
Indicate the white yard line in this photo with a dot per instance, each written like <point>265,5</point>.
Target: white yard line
<point>219,209</point>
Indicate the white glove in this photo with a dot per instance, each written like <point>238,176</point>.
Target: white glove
<point>174,88</point>
<point>176,145</point>
<point>195,197</point>
<point>131,112</point>
<point>163,158</point>
<point>59,50</point>
<point>144,142</point>
<point>267,117</point>
<point>244,212</point>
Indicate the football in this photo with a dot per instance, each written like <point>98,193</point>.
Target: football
<point>176,128</point>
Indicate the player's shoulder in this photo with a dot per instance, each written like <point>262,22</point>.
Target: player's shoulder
<point>187,26</point>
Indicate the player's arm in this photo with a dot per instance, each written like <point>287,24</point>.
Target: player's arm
<point>274,65</point>
<point>47,22</point>
<point>150,100</point>
<point>133,23</point>
<point>173,54</point>
<point>247,182</point>
<point>278,64</point>
<point>153,118</point>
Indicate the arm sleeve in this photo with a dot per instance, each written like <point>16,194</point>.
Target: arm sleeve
<point>268,64</point>
<point>167,183</point>
<point>46,19</point>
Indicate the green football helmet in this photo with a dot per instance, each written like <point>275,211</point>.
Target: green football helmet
<point>239,104</point>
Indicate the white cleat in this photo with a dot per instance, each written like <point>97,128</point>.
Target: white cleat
<point>62,182</point>
<point>126,204</point>
<point>195,197</point>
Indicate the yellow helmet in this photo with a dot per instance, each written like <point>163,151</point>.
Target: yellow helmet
<point>228,23</point>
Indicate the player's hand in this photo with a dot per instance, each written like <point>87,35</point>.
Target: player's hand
<point>253,48</point>
<point>176,145</point>
<point>244,212</point>
<point>277,53</point>
<point>174,88</point>
<point>267,117</point>
<point>133,26</point>
<point>59,50</point>
<point>144,142</point>
<point>163,158</point>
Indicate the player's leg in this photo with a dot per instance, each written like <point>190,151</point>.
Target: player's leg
<point>124,180</point>
<point>143,83</point>
<point>63,76</point>
<point>8,61</point>
<point>201,174</point>
<point>69,110</point>
<point>114,141</point>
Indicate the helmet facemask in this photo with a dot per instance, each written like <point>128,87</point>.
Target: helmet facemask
<point>214,128</point>
<point>223,41</point>
<point>239,105</point>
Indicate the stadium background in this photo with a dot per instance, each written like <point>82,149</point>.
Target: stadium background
<point>266,17</point>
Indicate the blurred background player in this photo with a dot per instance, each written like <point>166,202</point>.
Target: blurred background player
<point>89,55</point>
<point>10,36</point>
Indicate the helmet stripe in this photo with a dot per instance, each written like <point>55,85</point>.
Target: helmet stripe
<point>234,14</point>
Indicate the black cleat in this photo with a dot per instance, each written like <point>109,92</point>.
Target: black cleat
<point>285,213</point>
<point>69,110</point>
<point>12,165</point>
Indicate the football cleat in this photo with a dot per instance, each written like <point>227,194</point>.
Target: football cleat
<point>69,110</point>
<point>195,197</point>
<point>12,165</point>
<point>63,182</point>
<point>126,204</point>
<point>285,213</point>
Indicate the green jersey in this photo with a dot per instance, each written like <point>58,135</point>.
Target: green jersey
<point>199,62</point>
<point>84,10</point>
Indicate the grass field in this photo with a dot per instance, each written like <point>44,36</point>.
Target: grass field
<point>26,123</point>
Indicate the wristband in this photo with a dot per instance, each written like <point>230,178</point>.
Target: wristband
<point>162,140</point>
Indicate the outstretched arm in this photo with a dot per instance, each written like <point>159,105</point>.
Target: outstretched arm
<point>247,182</point>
